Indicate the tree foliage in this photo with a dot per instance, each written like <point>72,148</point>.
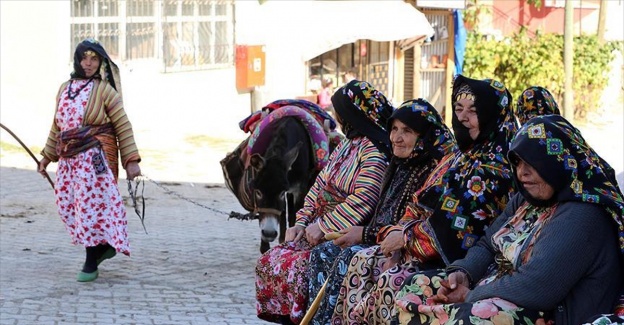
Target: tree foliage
<point>521,61</point>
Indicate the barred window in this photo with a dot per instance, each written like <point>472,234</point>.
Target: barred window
<point>197,34</point>
<point>98,19</point>
<point>184,35</point>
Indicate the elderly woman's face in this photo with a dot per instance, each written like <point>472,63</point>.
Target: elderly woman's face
<point>533,182</point>
<point>90,64</point>
<point>467,114</point>
<point>403,139</point>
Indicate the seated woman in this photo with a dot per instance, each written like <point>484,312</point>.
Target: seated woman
<point>344,194</point>
<point>555,254</point>
<point>462,196</point>
<point>419,141</point>
<point>535,101</point>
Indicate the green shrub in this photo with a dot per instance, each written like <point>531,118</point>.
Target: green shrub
<point>521,61</point>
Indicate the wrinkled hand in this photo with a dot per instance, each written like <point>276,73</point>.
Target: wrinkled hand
<point>350,236</point>
<point>43,164</point>
<point>393,242</point>
<point>454,289</point>
<point>294,234</point>
<point>391,261</point>
<point>132,170</point>
<point>314,234</point>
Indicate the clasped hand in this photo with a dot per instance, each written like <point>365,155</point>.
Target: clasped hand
<point>453,289</point>
<point>391,248</point>
<point>350,236</point>
<point>314,234</point>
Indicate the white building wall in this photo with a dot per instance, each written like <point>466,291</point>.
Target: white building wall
<point>35,54</point>
<point>33,63</point>
<point>285,72</point>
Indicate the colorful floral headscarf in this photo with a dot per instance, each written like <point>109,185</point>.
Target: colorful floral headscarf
<point>364,111</point>
<point>557,151</point>
<point>435,140</point>
<point>535,101</point>
<point>108,70</point>
<point>492,102</point>
<point>470,187</point>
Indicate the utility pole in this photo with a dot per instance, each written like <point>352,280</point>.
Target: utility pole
<point>568,61</point>
<point>602,19</point>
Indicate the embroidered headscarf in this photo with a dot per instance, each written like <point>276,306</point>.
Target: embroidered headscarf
<point>535,101</point>
<point>364,111</point>
<point>470,187</point>
<point>557,151</point>
<point>491,100</point>
<point>435,141</point>
<point>108,70</point>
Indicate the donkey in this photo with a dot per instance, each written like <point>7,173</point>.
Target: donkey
<point>282,178</point>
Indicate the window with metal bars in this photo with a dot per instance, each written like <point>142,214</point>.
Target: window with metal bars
<point>184,35</point>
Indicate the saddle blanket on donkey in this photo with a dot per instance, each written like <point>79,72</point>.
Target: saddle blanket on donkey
<point>321,128</point>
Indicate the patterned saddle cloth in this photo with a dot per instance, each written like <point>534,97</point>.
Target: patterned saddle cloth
<point>321,128</point>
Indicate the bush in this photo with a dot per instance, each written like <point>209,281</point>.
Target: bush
<point>521,61</point>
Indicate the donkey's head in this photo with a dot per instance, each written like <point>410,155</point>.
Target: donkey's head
<point>271,186</point>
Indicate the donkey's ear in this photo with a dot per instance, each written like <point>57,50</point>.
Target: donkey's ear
<point>256,161</point>
<point>292,154</point>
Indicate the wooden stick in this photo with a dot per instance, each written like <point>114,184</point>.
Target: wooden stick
<point>29,152</point>
<point>315,305</point>
<point>332,235</point>
<point>319,296</point>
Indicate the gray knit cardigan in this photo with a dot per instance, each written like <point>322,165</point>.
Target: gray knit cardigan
<point>575,269</point>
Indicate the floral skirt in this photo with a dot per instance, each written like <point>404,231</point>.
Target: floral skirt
<point>413,308</point>
<point>89,202</point>
<point>282,282</point>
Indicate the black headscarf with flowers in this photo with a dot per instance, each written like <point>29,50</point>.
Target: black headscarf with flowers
<point>435,140</point>
<point>404,176</point>
<point>535,101</point>
<point>560,155</point>
<point>364,111</point>
<point>492,102</point>
<point>471,186</point>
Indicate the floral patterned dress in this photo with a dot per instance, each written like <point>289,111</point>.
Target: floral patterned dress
<point>87,198</point>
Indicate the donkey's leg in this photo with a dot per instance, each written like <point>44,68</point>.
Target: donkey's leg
<point>264,246</point>
<point>282,226</point>
<point>291,210</point>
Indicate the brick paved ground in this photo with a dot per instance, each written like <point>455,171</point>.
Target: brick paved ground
<point>194,266</point>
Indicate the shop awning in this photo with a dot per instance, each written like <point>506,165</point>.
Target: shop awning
<point>310,28</point>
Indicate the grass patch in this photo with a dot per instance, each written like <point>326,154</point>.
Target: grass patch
<point>12,149</point>
<point>5,146</point>
<point>9,147</point>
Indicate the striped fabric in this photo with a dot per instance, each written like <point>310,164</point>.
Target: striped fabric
<point>355,171</point>
<point>105,105</point>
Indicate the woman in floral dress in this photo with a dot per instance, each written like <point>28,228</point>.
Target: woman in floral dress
<point>89,131</point>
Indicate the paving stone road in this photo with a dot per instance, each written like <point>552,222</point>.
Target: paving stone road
<point>194,267</point>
